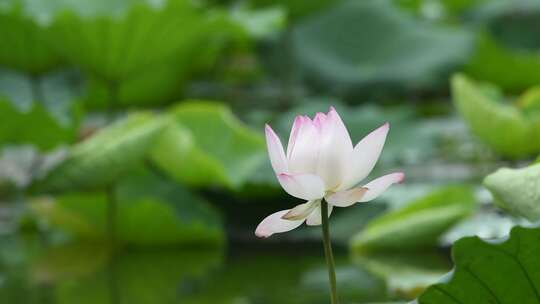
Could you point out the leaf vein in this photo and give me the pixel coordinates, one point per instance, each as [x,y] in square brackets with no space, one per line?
[438,288]
[486,286]
[518,261]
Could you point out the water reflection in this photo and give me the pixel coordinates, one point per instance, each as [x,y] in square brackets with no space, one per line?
[91,273]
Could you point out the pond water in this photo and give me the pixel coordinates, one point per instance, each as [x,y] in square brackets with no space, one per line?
[31,272]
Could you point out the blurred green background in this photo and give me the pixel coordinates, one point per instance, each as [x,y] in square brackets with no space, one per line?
[133,166]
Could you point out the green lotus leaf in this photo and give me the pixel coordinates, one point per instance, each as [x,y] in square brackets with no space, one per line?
[150,211]
[42,112]
[491,272]
[102,159]
[24,44]
[208,145]
[418,224]
[517,132]
[336,51]
[517,190]
[138,51]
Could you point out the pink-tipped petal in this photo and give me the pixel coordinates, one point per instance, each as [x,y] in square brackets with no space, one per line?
[301,211]
[335,149]
[365,156]
[294,134]
[319,120]
[315,218]
[346,198]
[302,151]
[275,224]
[378,186]
[275,151]
[304,186]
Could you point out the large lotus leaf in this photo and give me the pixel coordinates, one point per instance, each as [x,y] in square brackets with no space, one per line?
[208,145]
[508,68]
[507,51]
[162,82]
[23,42]
[509,131]
[361,43]
[517,190]
[419,224]
[101,159]
[114,47]
[41,112]
[513,24]
[503,272]
[150,211]
[157,85]
[142,49]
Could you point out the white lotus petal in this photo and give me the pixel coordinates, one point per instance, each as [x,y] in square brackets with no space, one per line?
[302,151]
[301,211]
[275,224]
[304,186]
[297,124]
[378,186]
[275,151]
[346,198]
[315,218]
[365,156]
[335,149]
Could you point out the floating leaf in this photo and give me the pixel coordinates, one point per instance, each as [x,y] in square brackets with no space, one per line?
[150,211]
[419,224]
[508,130]
[208,145]
[517,190]
[502,272]
[102,159]
[337,51]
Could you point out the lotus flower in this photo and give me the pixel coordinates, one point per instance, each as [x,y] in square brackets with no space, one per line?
[321,163]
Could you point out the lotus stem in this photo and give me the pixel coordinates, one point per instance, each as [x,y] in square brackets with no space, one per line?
[328,253]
